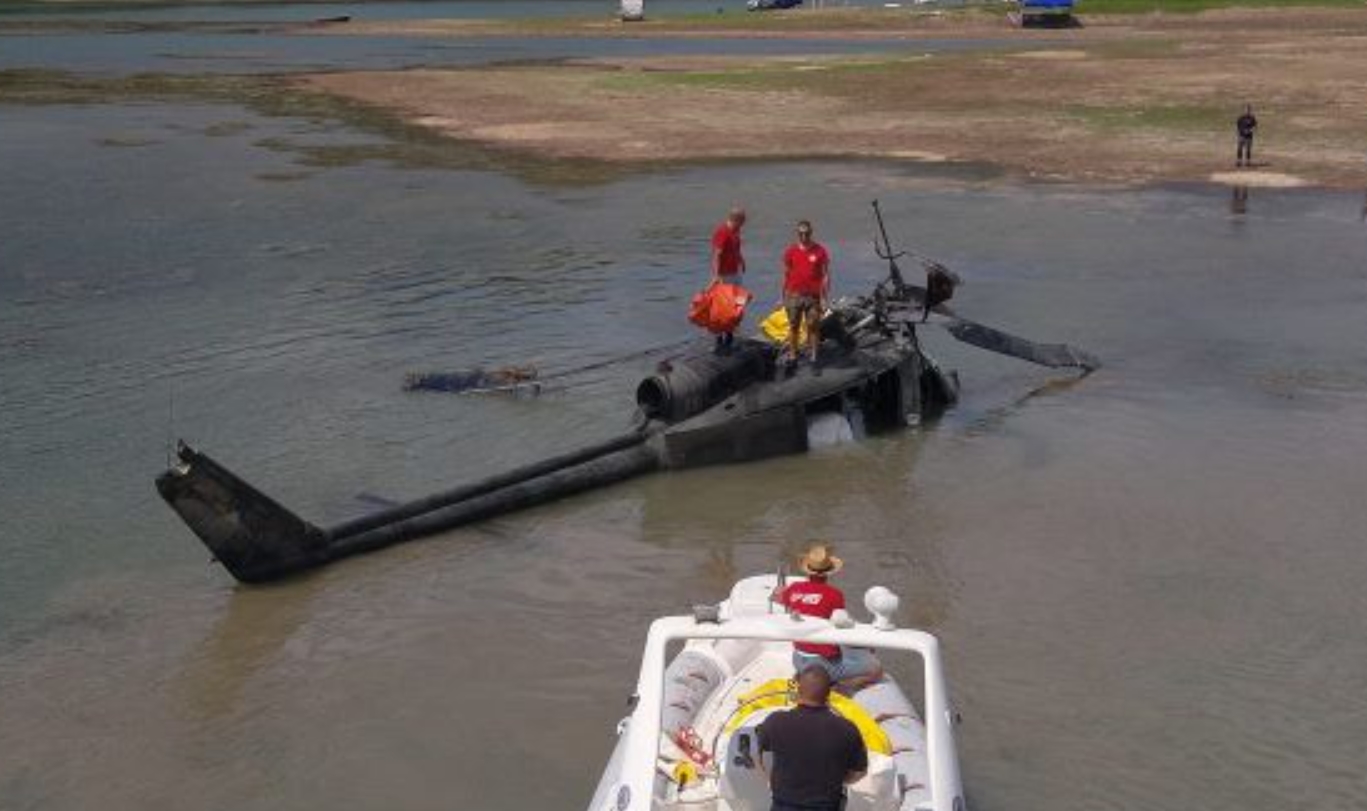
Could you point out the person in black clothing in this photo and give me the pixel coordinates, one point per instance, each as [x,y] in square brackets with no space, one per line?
[816,753]
[1245,125]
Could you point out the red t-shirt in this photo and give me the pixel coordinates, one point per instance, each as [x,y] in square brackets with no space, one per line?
[727,240]
[813,598]
[804,269]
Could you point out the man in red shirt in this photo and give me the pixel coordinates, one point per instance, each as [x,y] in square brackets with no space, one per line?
[728,263]
[852,668]
[806,285]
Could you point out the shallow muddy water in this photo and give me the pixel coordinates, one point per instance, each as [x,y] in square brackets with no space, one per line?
[250,38]
[217,52]
[384,10]
[1148,582]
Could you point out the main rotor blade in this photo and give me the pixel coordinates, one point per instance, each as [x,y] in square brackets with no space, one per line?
[994,340]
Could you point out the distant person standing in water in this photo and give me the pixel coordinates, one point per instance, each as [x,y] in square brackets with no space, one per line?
[1245,125]
[728,263]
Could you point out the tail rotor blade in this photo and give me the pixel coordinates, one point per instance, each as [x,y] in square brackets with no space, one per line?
[994,340]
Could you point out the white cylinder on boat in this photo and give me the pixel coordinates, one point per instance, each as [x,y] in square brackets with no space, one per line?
[886,702]
[877,789]
[689,681]
[735,654]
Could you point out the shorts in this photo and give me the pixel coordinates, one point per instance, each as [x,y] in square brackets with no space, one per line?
[853,663]
[780,805]
[795,304]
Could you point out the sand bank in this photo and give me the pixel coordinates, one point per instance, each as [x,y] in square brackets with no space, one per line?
[1130,99]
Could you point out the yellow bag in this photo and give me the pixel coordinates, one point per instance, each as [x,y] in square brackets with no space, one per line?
[775,328]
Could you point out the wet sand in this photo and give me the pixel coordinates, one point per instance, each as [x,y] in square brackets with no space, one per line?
[1142,98]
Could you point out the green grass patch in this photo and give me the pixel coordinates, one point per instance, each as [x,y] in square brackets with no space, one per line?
[825,20]
[1173,118]
[124,142]
[1193,6]
[398,142]
[27,86]
[806,77]
[283,177]
[227,128]
[737,20]
[59,6]
[649,80]
[1136,49]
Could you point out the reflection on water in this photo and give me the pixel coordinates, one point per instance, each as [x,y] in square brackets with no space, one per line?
[993,420]
[1174,537]
[244,642]
[1238,200]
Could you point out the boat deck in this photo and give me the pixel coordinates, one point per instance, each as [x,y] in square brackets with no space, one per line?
[899,774]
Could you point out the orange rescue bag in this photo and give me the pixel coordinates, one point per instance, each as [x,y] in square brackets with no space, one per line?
[720,307]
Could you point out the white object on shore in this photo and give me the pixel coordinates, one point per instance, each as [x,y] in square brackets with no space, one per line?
[633,10]
[690,743]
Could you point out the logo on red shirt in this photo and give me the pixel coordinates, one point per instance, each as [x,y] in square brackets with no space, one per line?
[814,598]
[805,269]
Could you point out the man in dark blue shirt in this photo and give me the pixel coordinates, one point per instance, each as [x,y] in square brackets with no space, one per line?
[1246,124]
[816,753]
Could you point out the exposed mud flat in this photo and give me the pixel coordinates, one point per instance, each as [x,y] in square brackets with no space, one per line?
[1127,99]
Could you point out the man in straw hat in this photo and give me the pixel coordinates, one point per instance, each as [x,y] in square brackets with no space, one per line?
[851,668]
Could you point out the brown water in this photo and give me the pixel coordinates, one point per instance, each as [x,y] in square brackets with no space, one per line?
[1148,582]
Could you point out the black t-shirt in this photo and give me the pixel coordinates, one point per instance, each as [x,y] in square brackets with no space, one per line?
[813,751]
[1246,124]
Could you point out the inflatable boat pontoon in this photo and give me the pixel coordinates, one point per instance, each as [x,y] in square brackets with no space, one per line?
[690,743]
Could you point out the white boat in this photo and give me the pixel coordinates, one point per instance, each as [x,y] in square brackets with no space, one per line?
[689,742]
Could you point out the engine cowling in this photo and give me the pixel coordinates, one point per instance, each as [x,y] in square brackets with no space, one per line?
[691,385]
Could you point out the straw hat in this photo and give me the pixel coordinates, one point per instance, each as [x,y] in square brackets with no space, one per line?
[820,561]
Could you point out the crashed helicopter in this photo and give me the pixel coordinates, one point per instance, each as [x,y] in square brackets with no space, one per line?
[700,408]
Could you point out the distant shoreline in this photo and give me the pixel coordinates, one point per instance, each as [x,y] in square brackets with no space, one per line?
[115,5]
[1125,99]
[1086,7]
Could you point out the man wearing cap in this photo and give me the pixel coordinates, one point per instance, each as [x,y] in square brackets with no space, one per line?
[853,668]
[816,753]
[728,263]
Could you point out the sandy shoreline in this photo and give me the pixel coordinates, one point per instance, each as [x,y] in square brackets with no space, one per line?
[1126,99]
